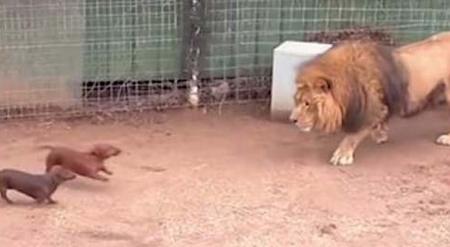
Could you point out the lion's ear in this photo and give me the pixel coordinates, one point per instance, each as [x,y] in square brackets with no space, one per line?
[324,84]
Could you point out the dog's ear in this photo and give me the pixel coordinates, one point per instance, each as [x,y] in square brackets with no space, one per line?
[104,151]
[97,152]
[115,151]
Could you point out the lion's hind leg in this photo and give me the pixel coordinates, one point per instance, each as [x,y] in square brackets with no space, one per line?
[344,154]
[444,139]
[379,133]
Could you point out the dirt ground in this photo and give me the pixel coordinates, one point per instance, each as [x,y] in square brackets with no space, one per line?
[188,178]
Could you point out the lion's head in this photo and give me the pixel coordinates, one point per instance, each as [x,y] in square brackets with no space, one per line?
[315,104]
[344,88]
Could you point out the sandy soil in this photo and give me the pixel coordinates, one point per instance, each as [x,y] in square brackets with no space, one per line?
[193,179]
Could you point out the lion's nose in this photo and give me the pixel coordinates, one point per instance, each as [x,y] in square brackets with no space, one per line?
[294,116]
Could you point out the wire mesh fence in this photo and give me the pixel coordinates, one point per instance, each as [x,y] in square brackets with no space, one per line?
[77,57]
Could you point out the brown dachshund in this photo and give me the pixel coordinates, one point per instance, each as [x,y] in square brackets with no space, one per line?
[40,187]
[87,164]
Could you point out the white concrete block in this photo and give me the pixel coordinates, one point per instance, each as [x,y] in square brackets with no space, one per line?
[287,58]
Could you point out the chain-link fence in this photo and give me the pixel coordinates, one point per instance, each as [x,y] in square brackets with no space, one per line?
[75,57]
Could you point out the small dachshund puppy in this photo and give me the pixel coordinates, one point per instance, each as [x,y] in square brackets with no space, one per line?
[40,187]
[87,164]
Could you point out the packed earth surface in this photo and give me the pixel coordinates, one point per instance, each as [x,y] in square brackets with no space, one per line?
[197,178]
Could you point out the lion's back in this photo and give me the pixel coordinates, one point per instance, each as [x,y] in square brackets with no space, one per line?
[426,64]
[370,66]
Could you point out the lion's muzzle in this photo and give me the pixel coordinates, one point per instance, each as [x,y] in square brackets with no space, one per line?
[295,118]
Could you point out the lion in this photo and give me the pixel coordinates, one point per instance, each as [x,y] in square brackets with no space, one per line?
[356,86]
[353,87]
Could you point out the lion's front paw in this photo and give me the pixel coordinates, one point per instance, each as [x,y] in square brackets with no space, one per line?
[342,157]
[443,140]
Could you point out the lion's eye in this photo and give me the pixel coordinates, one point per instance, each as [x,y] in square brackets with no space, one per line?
[306,103]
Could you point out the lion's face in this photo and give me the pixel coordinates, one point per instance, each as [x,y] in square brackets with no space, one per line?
[315,106]
[303,115]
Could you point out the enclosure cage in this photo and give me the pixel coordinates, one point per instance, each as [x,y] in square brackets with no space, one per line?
[78,57]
